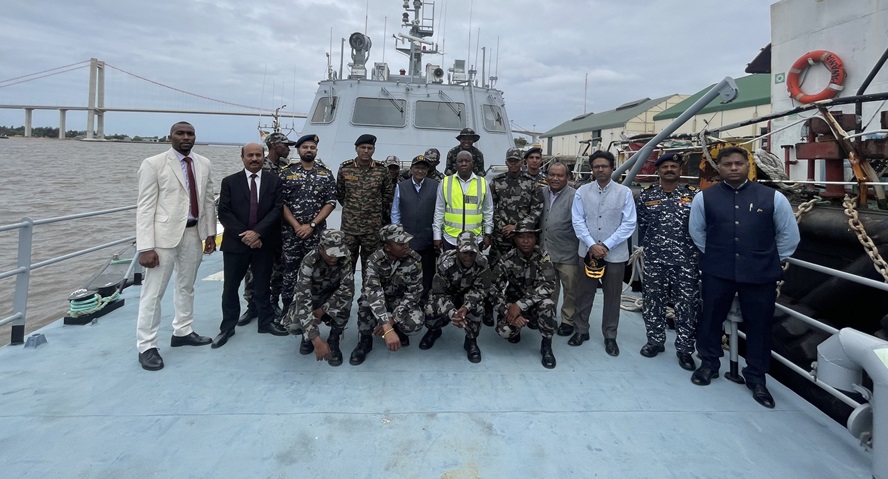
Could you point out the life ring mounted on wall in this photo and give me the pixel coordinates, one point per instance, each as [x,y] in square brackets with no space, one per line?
[836,76]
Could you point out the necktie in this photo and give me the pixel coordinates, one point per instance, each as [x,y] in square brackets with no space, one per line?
[192,186]
[254,202]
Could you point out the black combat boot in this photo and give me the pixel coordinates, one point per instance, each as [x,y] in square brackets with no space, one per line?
[428,340]
[473,353]
[405,340]
[333,342]
[306,346]
[546,352]
[365,345]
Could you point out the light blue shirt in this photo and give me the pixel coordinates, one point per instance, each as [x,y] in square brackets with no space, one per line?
[784,223]
[623,232]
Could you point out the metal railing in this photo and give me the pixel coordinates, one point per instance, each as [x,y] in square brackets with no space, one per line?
[24,265]
[812,375]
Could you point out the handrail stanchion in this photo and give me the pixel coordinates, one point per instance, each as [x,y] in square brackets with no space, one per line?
[22,282]
[734,318]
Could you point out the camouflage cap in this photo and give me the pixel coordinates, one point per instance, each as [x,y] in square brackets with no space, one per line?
[514,154]
[277,137]
[526,226]
[433,155]
[394,233]
[467,242]
[392,161]
[333,242]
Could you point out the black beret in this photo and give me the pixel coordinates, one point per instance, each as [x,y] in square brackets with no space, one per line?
[533,150]
[366,139]
[676,157]
[312,138]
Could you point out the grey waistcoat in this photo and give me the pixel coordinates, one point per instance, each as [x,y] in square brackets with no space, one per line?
[604,213]
[557,235]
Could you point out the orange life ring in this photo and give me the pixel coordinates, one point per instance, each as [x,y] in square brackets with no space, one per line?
[836,76]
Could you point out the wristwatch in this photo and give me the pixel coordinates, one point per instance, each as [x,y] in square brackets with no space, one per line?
[313,225]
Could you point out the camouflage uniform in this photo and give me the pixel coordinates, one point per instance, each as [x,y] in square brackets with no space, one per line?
[514,199]
[391,289]
[539,178]
[670,263]
[305,192]
[434,157]
[477,160]
[529,283]
[320,285]
[455,286]
[366,198]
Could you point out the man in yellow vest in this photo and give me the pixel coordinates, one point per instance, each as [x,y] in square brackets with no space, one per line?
[464,204]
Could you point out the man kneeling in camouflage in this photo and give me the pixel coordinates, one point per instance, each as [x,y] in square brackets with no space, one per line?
[457,295]
[523,284]
[389,306]
[325,288]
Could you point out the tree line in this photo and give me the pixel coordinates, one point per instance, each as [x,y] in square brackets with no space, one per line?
[50,132]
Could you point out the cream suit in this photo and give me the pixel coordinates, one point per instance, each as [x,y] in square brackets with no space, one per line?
[161,217]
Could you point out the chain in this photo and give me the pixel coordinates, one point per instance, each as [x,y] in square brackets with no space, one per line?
[871,250]
[800,211]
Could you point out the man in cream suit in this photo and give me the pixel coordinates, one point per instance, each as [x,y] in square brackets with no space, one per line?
[175,212]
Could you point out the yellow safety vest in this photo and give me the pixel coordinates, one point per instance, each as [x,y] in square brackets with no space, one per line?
[462,212]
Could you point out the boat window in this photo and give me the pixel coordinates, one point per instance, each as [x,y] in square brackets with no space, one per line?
[493,118]
[380,112]
[440,114]
[325,109]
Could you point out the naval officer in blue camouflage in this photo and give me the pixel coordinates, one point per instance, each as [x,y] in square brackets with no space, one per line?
[670,260]
[309,193]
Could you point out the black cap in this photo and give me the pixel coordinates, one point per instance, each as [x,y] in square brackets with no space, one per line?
[366,139]
[676,157]
[417,160]
[312,138]
[533,150]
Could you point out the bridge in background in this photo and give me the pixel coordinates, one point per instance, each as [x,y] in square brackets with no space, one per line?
[96,109]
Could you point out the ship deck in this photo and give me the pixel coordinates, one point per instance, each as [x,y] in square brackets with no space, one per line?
[81,406]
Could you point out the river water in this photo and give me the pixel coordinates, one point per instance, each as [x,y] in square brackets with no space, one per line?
[49,178]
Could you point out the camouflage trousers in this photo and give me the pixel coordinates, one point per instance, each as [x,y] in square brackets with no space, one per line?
[410,323]
[292,319]
[436,316]
[677,285]
[499,246]
[277,275]
[541,316]
[367,244]
[294,250]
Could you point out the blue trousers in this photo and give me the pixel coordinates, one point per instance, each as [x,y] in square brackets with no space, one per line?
[757,309]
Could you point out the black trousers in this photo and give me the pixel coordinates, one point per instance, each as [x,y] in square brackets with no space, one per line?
[235,266]
[757,309]
[428,257]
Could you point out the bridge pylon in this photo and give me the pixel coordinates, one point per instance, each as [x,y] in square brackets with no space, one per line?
[95,115]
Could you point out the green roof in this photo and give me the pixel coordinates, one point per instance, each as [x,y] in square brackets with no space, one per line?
[608,119]
[754,90]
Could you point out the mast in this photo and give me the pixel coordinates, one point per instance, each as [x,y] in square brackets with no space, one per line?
[421,27]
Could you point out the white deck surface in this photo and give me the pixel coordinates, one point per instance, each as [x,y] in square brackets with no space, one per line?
[81,406]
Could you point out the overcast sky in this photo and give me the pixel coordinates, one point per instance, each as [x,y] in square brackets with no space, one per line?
[271,53]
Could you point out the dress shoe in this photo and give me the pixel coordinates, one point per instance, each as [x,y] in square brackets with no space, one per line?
[473,352]
[703,376]
[650,350]
[610,346]
[333,342]
[428,340]
[686,361]
[222,338]
[515,339]
[192,339]
[365,345]
[306,347]
[151,360]
[405,340]
[548,358]
[249,315]
[761,395]
[565,329]
[578,339]
[273,328]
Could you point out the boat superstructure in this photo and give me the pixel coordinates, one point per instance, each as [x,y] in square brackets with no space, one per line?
[424,105]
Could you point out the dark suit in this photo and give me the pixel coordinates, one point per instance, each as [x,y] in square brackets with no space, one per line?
[234,214]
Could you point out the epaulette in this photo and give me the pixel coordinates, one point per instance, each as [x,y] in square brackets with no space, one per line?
[693,188]
[647,187]
[377,163]
[348,163]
